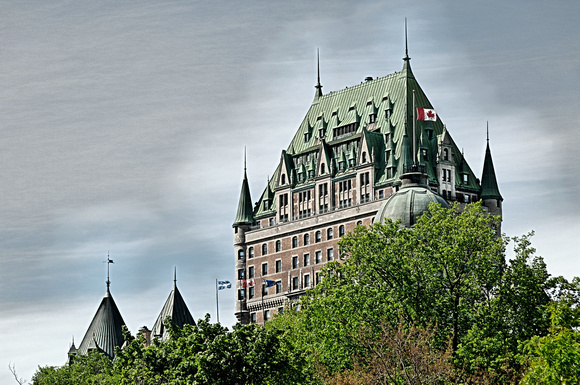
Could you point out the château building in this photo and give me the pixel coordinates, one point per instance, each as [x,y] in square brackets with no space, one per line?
[353,151]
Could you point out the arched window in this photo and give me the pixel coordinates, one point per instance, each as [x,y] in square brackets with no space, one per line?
[359,223]
[364,157]
[294,242]
[318,236]
[306,239]
[278,246]
[322,168]
[264,249]
[251,252]
[329,233]
[283,180]
[341,231]
[445,154]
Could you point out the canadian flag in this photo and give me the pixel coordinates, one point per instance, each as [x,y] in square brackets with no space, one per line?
[247,283]
[426,114]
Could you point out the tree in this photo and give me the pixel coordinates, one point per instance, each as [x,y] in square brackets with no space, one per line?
[447,275]
[555,358]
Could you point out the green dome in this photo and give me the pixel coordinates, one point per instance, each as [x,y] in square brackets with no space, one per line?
[408,204]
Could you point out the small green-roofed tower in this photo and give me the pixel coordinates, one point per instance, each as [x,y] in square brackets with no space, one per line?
[245,214]
[490,194]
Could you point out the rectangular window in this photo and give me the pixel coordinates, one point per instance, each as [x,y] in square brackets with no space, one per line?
[251,292]
[295,283]
[264,290]
[295,262]
[253,318]
[318,256]
[251,272]
[278,287]
[306,281]
[278,266]
[329,254]
[241,294]
[281,310]
[240,273]
[306,259]
[266,315]
[317,277]
[264,268]
[381,194]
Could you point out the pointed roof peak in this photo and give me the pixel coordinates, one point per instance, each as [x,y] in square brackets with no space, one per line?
[318,86]
[489,186]
[174,308]
[407,59]
[245,214]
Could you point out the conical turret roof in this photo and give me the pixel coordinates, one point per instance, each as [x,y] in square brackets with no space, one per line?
[174,308]
[106,329]
[245,213]
[489,187]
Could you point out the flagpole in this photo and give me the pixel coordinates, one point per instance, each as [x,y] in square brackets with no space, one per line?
[217,305]
[414,140]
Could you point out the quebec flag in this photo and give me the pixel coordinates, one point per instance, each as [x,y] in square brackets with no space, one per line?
[224,285]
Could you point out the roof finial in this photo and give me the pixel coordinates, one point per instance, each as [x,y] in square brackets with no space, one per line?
[108,262]
[488,131]
[318,86]
[174,276]
[406,58]
[244,159]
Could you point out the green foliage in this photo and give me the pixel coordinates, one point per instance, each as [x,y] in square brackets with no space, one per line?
[555,358]
[94,368]
[447,275]
[203,354]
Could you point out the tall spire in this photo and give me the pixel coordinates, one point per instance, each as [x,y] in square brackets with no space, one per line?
[489,187]
[245,214]
[407,59]
[318,86]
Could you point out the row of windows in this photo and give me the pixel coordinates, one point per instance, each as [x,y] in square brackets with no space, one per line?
[295,263]
[305,239]
[295,285]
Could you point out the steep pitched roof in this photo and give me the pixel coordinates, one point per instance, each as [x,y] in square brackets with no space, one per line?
[177,310]
[106,329]
[245,213]
[489,187]
[383,106]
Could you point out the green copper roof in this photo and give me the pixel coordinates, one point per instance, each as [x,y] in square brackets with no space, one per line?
[489,188]
[378,111]
[245,213]
[106,329]
[177,310]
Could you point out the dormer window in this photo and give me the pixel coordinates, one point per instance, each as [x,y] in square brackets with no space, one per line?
[266,204]
[387,114]
[311,174]
[283,179]
[321,133]
[306,137]
[364,157]
[465,179]
[372,118]
[445,154]
[424,153]
[341,166]
[351,163]
[322,168]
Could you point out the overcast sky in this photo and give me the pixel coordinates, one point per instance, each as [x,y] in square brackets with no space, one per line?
[123,126]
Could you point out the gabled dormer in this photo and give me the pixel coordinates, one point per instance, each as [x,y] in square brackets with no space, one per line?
[324,167]
[446,166]
[285,170]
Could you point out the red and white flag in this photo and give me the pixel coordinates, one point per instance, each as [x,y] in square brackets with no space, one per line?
[426,114]
[247,283]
